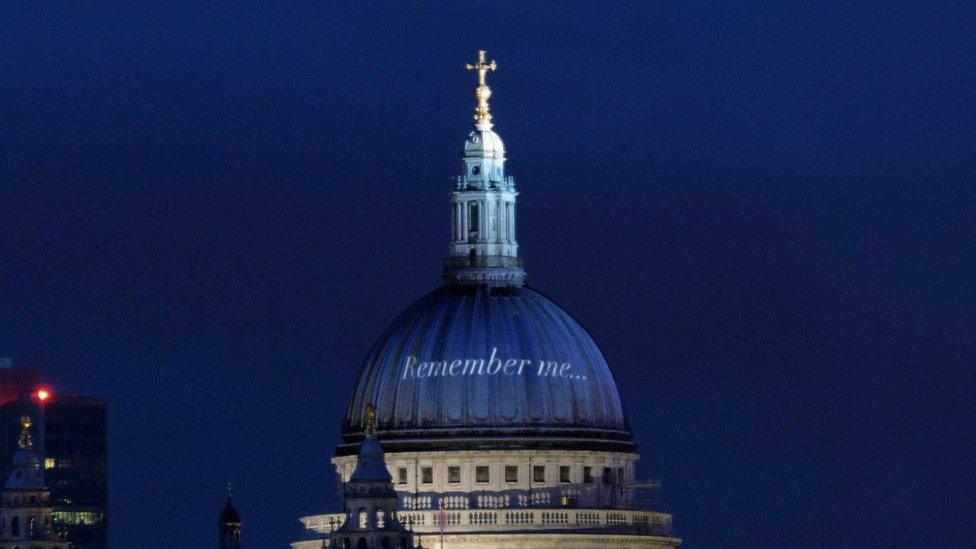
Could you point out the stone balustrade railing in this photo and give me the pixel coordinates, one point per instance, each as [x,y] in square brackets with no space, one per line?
[511,520]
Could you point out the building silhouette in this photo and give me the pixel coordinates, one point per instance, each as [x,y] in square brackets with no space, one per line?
[229,526]
[70,439]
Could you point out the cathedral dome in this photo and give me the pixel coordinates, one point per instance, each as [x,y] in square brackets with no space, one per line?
[482,367]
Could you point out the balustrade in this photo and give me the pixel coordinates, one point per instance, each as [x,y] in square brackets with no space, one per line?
[463,519]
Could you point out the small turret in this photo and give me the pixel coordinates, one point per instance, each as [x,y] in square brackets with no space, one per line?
[25,518]
[370,501]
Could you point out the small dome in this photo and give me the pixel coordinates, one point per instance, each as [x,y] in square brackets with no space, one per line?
[484,143]
[487,367]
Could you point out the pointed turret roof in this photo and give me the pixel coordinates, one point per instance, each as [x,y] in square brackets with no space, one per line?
[371,464]
[26,473]
[229,515]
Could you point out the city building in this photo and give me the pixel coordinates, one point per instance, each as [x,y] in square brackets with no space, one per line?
[25,515]
[71,442]
[499,419]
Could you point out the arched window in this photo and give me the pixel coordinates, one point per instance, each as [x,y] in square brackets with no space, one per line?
[473,217]
[380,518]
[15,527]
[361,544]
[385,543]
[363,518]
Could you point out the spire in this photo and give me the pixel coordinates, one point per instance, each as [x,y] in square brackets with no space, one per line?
[483,245]
[26,500]
[371,463]
[229,515]
[25,441]
[26,472]
[369,499]
[482,115]
[229,524]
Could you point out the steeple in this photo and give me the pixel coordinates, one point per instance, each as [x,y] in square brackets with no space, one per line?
[26,473]
[483,245]
[370,500]
[229,525]
[25,518]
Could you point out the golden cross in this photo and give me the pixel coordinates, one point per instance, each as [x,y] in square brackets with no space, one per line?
[482,67]
[482,92]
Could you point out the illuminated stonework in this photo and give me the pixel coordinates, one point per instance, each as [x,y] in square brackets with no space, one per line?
[498,415]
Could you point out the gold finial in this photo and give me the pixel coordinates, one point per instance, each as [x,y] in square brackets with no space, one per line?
[482,92]
[370,419]
[25,441]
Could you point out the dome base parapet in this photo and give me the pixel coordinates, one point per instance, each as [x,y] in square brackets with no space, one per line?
[490,270]
[482,443]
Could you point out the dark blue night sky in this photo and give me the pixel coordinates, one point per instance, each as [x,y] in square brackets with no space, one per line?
[762,212]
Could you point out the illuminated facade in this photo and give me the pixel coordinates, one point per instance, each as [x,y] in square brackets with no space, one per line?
[70,439]
[499,417]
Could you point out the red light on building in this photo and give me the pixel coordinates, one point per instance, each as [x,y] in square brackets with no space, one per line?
[43,394]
